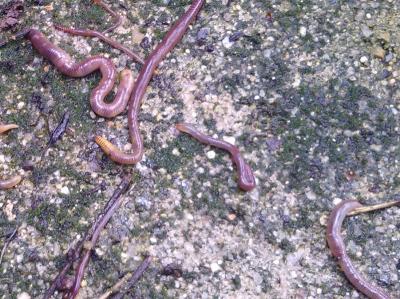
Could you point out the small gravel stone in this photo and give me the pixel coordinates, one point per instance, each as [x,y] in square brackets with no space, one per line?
[303,31]
[211,155]
[235,36]
[364,59]
[202,35]
[385,74]
[229,139]
[215,267]
[384,36]
[389,57]
[64,190]
[20,105]
[227,43]
[23,295]
[366,32]
[378,52]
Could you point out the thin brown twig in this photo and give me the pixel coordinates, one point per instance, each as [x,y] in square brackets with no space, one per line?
[73,254]
[116,16]
[114,203]
[6,243]
[135,276]
[365,209]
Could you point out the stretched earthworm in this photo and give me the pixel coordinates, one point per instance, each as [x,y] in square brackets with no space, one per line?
[66,65]
[101,36]
[15,180]
[173,36]
[117,17]
[246,179]
[338,249]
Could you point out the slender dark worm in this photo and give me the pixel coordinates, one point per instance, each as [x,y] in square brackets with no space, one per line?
[338,249]
[101,36]
[14,180]
[246,179]
[66,65]
[173,36]
[117,17]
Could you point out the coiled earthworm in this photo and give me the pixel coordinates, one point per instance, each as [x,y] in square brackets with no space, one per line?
[101,36]
[173,36]
[15,180]
[338,249]
[66,65]
[246,179]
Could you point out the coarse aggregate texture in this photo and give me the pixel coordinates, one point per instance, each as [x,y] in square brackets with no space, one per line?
[308,90]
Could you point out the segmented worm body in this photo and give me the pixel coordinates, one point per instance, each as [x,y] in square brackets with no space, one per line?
[66,65]
[173,36]
[15,180]
[246,179]
[104,38]
[338,249]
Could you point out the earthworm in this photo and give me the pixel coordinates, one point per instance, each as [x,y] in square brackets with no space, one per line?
[5,128]
[246,179]
[101,36]
[14,180]
[338,249]
[66,65]
[10,182]
[173,36]
[117,17]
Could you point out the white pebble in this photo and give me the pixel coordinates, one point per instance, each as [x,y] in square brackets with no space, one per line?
[23,295]
[303,31]
[175,152]
[337,201]
[64,190]
[364,59]
[229,139]
[20,105]
[227,43]
[211,155]
[215,267]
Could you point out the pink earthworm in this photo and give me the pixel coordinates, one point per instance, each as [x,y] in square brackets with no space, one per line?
[338,248]
[10,182]
[246,179]
[173,36]
[101,36]
[14,180]
[66,65]
[6,128]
